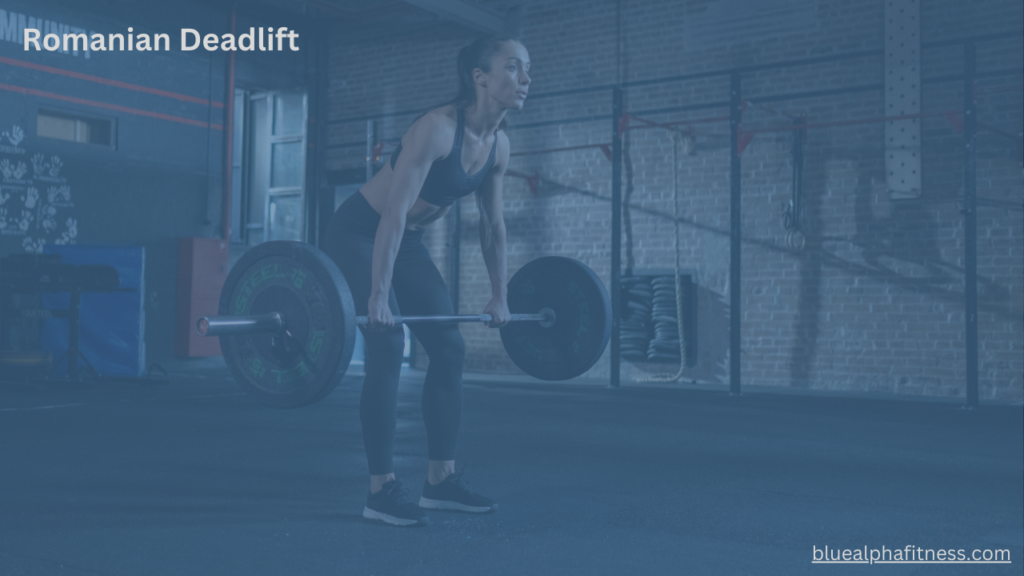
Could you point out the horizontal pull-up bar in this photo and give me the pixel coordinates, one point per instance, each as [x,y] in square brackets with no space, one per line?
[854,122]
[606,148]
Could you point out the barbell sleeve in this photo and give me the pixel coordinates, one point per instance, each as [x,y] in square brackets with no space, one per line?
[217,325]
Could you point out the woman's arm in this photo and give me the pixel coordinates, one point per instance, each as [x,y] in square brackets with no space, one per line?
[421,146]
[492,233]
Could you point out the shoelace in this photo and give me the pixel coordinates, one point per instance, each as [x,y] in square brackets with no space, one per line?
[399,494]
[460,482]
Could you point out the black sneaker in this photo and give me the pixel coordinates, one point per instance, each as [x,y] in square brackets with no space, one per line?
[393,505]
[454,494]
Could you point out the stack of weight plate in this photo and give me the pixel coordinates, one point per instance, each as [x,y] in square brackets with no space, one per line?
[636,328]
[665,345]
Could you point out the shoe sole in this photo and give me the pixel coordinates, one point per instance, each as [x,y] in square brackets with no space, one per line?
[394,520]
[449,505]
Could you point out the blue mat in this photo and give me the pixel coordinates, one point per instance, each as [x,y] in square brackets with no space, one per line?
[111,325]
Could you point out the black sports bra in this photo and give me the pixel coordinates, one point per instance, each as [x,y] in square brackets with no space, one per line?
[447,181]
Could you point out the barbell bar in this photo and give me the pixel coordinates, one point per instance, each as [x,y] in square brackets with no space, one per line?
[273,323]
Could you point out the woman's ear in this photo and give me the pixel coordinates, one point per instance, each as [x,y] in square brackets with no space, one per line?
[480,77]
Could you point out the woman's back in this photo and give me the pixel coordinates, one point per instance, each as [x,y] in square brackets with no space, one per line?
[476,155]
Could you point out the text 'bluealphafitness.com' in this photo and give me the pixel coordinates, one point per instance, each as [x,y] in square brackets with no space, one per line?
[908,555]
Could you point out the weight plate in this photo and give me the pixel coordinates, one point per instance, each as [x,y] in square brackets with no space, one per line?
[638,306]
[583,318]
[307,289]
[666,345]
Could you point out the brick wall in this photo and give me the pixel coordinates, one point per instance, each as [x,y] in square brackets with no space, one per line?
[872,302]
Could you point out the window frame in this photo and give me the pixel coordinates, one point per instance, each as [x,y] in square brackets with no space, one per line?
[252,148]
[71,114]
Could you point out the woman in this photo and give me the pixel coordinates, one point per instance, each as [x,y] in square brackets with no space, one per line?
[375,238]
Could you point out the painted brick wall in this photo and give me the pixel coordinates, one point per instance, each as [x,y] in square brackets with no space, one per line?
[872,302]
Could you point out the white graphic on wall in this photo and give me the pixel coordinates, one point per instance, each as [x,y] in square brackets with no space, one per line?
[39,165]
[33,246]
[13,171]
[13,221]
[15,135]
[68,237]
[59,195]
[30,198]
[45,170]
[47,215]
[9,139]
[35,195]
[24,220]
[55,166]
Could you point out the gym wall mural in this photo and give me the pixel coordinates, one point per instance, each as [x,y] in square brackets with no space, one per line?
[35,196]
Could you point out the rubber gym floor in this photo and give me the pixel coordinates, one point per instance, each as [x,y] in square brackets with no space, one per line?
[194,477]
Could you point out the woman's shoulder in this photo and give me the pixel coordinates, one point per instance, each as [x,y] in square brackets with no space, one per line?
[442,117]
[433,133]
[501,144]
[502,139]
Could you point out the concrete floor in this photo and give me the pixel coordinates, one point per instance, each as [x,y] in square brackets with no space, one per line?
[193,477]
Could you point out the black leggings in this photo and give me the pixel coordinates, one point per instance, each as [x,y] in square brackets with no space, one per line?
[416,289]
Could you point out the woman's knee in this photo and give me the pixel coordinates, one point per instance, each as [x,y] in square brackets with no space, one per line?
[447,346]
[388,344]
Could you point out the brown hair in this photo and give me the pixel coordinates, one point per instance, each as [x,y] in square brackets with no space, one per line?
[476,55]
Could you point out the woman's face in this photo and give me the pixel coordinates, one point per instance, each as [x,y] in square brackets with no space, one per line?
[508,81]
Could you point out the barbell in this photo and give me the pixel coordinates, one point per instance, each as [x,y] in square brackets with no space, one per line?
[286,322]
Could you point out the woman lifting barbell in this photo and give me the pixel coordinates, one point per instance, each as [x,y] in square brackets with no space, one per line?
[375,237]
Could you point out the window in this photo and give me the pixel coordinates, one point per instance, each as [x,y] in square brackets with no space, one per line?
[269,166]
[74,128]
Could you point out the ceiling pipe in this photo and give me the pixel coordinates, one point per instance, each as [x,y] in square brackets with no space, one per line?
[463,13]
